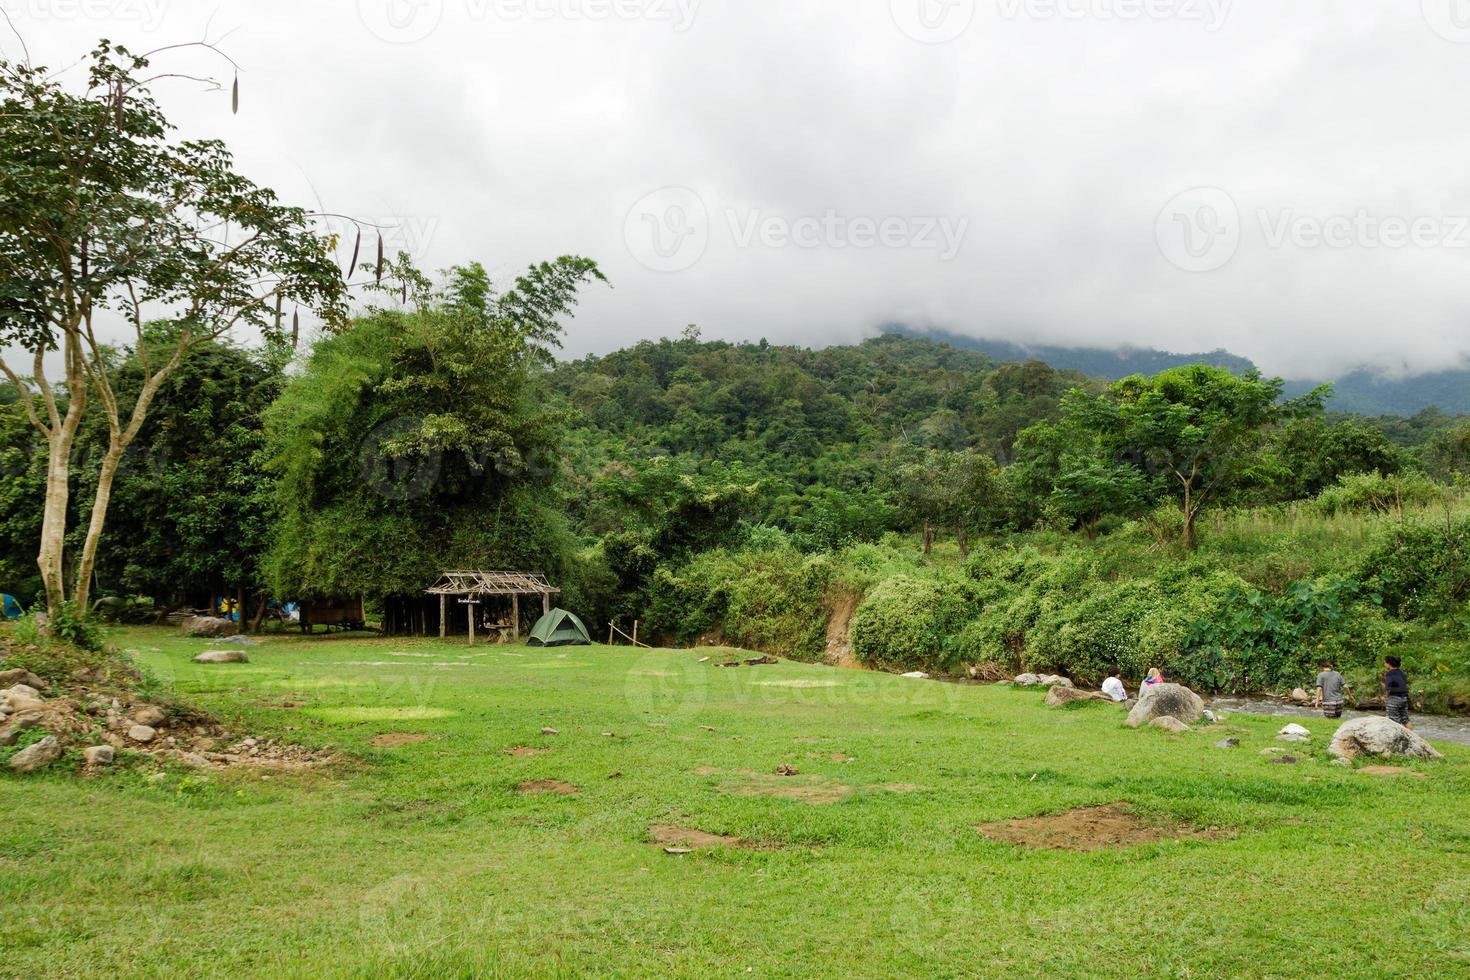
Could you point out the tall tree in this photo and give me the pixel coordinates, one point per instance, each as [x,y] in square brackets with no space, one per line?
[1200,428]
[106,220]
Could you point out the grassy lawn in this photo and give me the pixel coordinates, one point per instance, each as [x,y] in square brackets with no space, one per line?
[425,860]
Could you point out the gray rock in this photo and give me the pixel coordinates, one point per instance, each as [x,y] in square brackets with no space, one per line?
[1169,724]
[1379,737]
[1054,680]
[148,715]
[1293,738]
[99,755]
[142,733]
[22,691]
[1300,696]
[17,723]
[1064,694]
[19,675]
[1294,730]
[1228,743]
[207,626]
[1286,760]
[1166,701]
[222,657]
[1027,680]
[240,639]
[38,756]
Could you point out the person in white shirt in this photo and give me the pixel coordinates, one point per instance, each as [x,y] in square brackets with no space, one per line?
[1113,686]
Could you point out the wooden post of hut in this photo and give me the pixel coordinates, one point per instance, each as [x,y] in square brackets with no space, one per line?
[515,617]
[443,625]
[545,603]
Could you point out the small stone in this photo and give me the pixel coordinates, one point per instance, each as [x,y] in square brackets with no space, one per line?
[1286,760]
[38,756]
[1228,743]
[1169,724]
[19,703]
[1296,730]
[222,657]
[99,755]
[149,716]
[550,731]
[142,733]
[22,690]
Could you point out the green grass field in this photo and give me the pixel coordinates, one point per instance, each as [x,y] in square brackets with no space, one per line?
[424,859]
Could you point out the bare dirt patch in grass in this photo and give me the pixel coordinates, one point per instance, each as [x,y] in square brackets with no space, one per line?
[669,835]
[554,787]
[803,789]
[524,750]
[392,740]
[1090,828]
[1391,771]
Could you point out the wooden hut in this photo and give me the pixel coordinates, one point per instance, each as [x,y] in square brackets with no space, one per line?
[472,589]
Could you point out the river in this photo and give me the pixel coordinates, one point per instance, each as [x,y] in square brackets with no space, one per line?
[1444,728]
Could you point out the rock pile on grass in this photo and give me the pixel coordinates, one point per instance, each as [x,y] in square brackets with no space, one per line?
[99,706]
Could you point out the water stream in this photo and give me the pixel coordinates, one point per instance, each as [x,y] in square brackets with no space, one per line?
[1444,728]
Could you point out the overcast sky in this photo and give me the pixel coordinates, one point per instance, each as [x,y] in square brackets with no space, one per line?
[1290,180]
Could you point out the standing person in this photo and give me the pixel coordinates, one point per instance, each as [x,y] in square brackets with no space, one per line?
[1396,691]
[1113,686]
[1330,687]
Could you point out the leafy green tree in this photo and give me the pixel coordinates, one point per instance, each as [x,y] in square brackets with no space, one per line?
[1200,428]
[422,440]
[103,216]
[1311,454]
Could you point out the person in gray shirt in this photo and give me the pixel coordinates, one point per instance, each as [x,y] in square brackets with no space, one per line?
[1330,688]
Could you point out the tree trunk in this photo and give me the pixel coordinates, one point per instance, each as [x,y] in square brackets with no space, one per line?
[928,537]
[53,523]
[1190,512]
[94,528]
[260,613]
[964,536]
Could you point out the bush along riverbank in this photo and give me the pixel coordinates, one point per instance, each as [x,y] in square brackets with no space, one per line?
[1268,594]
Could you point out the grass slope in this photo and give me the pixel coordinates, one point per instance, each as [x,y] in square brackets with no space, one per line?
[423,860]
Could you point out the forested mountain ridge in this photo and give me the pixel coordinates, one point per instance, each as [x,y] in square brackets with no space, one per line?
[1360,392]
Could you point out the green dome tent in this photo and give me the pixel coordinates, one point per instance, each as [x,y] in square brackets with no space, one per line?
[559,628]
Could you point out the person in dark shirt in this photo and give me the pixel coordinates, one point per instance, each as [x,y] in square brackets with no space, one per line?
[1396,691]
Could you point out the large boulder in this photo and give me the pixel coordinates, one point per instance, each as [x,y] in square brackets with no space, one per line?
[37,756]
[20,675]
[1166,701]
[207,626]
[1064,694]
[1027,680]
[238,657]
[1379,737]
[1054,680]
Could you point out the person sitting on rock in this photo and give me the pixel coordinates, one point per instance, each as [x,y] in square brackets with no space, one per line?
[1153,678]
[1330,686]
[1396,692]
[1113,686]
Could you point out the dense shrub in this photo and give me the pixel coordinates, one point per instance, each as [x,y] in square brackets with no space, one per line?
[1422,569]
[1374,492]
[910,623]
[770,599]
